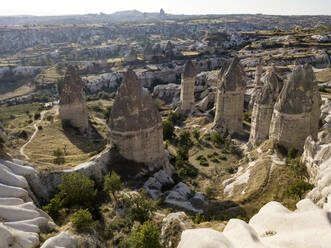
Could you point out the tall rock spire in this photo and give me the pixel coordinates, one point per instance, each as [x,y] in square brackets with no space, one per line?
[263,108]
[297,111]
[135,124]
[187,87]
[73,106]
[230,97]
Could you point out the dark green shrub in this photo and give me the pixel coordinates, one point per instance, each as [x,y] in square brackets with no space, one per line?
[185,138]
[168,130]
[112,184]
[182,153]
[175,118]
[78,189]
[299,188]
[217,138]
[54,206]
[59,156]
[81,219]
[37,116]
[292,153]
[142,207]
[145,236]
[196,134]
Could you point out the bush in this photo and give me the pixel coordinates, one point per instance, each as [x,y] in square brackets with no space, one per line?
[59,156]
[299,188]
[158,102]
[247,116]
[182,153]
[78,189]
[168,130]
[175,118]
[81,219]
[217,138]
[142,207]
[196,134]
[210,192]
[292,153]
[50,118]
[40,128]
[298,167]
[37,116]
[145,236]
[185,138]
[112,183]
[54,206]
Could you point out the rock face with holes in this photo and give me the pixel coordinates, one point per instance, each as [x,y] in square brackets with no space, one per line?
[297,111]
[136,125]
[73,108]
[230,98]
[21,220]
[263,108]
[187,87]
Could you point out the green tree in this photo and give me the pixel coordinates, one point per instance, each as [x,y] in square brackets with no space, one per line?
[299,188]
[81,219]
[217,138]
[54,207]
[182,153]
[168,130]
[185,138]
[77,189]
[292,153]
[145,236]
[142,207]
[112,184]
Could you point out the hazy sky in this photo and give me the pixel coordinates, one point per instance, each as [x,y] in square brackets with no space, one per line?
[60,7]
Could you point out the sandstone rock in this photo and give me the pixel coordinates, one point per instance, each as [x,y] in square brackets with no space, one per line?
[273,226]
[230,98]
[323,59]
[155,184]
[187,87]
[263,108]
[208,102]
[169,50]
[182,197]
[169,93]
[73,106]
[136,126]
[298,108]
[172,227]
[64,239]
[21,220]
[258,72]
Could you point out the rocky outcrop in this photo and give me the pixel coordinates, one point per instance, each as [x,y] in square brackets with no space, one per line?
[169,50]
[148,51]
[136,125]
[263,108]
[230,98]
[172,227]
[187,87]
[62,240]
[274,226]
[73,106]
[258,72]
[323,59]
[131,56]
[169,93]
[21,220]
[296,113]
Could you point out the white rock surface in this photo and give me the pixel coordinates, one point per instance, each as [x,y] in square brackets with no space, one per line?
[62,240]
[21,219]
[273,227]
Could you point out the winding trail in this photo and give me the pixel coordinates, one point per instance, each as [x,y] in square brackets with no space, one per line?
[35,125]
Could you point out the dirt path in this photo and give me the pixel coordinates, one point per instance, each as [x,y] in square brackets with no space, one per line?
[35,125]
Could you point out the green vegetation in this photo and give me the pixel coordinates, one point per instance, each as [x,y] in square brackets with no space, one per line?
[145,236]
[81,219]
[168,130]
[299,188]
[112,184]
[142,207]
[196,134]
[59,156]
[184,138]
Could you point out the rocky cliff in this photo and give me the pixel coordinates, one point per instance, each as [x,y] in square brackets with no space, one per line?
[187,87]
